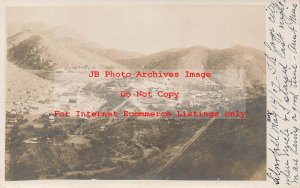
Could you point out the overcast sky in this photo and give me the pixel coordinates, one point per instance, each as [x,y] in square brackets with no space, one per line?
[149,29]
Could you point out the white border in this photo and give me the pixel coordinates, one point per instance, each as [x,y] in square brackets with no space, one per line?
[105,183]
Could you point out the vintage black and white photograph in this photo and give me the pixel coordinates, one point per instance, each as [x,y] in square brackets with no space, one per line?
[135,92]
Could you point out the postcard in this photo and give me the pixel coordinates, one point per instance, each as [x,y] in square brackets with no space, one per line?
[150,93]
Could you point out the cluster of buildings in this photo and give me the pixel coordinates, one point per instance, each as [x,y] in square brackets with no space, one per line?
[23,107]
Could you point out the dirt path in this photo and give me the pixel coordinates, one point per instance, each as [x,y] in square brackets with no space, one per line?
[115,109]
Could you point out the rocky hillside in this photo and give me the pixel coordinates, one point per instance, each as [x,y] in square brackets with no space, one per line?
[40,46]
[228,150]
[23,85]
[250,60]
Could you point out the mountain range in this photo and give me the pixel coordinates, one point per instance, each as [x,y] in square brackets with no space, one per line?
[41,46]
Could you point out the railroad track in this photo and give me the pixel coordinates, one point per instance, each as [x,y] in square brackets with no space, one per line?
[185,147]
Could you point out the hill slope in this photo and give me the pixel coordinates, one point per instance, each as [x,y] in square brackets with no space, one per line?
[41,46]
[250,60]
